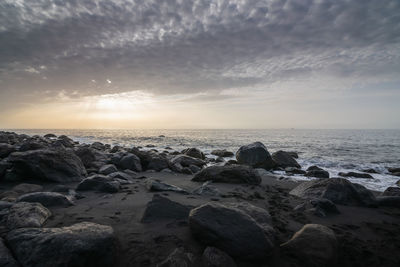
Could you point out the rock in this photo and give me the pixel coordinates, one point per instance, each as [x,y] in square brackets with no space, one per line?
[213,257]
[317,172]
[369,170]
[5,205]
[121,175]
[47,199]
[228,174]
[284,159]
[98,146]
[156,186]
[23,214]
[6,257]
[99,183]
[222,153]
[130,162]
[388,201]
[178,258]
[394,170]
[294,170]
[108,169]
[162,208]
[194,168]
[50,136]
[66,141]
[314,245]
[82,244]
[219,160]
[186,161]
[240,229]
[391,191]
[231,162]
[337,190]
[60,188]
[91,158]
[325,206]
[207,190]
[314,168]
[395,173]
[255,155]
[6,149]
[356,175]
[158,163]
[48,164]
[293,154]
[31,145]
[194,153]
[27,188]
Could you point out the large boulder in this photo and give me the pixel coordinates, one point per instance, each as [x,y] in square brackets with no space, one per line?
[213,257]
[186,161]
[24,214]
[56,165]
[99,183]
[313,245]
[255,155]
[130,162]
[6,257]
[47,199]
[317,172]
[80,245]
[222,153]
[240,229]
[162,208]
[228,174]
[337,190]
[158,163]
[90,157]
[194,153]
[284,159]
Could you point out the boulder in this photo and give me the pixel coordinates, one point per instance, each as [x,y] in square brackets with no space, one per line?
[394,170]
[47,199]
[31,145]
[91,158]
[186,161]
[370,170]
[228,174]
[130,162]
[313,245]
[6,149]
[121,175]
[82,244]
[388,201]
[162,208]
[294,170]
[108,169]
[56,165]
[194,153]
[391,191]
[6,257]
[323,207]
[337,190]
[293,154]
[213,257]
[158,163]
[99,183]
[98,146]
[356,175]
[317,172]
[66,141]
[255,155]
[222,153]
[23,214]
[157,186]
[178,258]
[284,159]
[240,229]
[27,188]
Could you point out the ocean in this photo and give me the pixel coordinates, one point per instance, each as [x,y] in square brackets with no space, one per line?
[333,150]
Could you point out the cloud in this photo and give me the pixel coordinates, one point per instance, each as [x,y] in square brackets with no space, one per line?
[95,47]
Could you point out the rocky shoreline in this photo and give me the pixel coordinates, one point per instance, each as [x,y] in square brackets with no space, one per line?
[68,204]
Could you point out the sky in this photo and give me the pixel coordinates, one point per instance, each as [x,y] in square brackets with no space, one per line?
[133,64]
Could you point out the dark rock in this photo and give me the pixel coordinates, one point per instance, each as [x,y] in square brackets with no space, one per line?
[391,191]
[293,154]
[394,170]
[317,172]
[158,163]
[207,190]
[53,165]
[178,258]
[356,175]
[90,157]
[156,186]
[50,136]
[325,205]
[294,170]
[388,201]
[61,189]
[231,162]
[6,257]
[194,168]
[219,160]
[162,208]
[47,199]
[66,141]
[213,257]
[108,169]
[99,183]
[27,188]
[255,155]
[228,174]
[194,153]
[31,145]
[130,162]
[222,153]
[98,146]
[314,168]
[395,173]
[186,161]
[314,245]
[186,170]
[23,214]
[369,170]
[240,229]
[337,190]
[82,244]
[6,149]
[284,159]
[121,175]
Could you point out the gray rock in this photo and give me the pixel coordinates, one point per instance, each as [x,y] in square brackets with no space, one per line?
[178,258]
[130,162]
[314,245]
[337,190]
[108,169]
[186,161]
[5,204]
[194,168]
[80,245]
[25,214]
[6,258]
[242,230]
[50,135]
[222,153]
[162,208]
[255,155]
[294,170]
[156,186]
[57,165]
[228,174]
[91,158]
[356,175]
[391,191]
[213,257]
[121,175]
[284,159]
[194,153]
[158,163]
[66,141]
[27,188]
[324,206]
[47,199]
[388,201]
[318,173]
[31,145]
[6,149]
[207,190]
[394,170]
[99,183]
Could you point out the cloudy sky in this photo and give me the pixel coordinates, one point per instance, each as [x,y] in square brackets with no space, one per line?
[200,64]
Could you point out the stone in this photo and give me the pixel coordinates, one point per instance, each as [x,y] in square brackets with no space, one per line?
[194,153]
[50,135]
[158,163]
[60,188]
[388,201]
[207,190]
[156,186]
[66,141]
[240,229]
[356,175]
[284,159]
[162,208]
[369,170]
[228,174]
[99,183]
[318,173]
[56,165]
[391,191]
[98,146]
[337,190]
[294,170]
[394,170]
[222,153]
[213,257]
[186,161]
[108,169]
[219,160]
[324,205]
[82,244]
[121,175]
[293,154]
[178,258]
[194,168]
[91,158]
[130,162]
[23,214]
[255,155]
[27,188]
[47,199]
[313,245]
[31,145]
[6,149]
[6,257]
